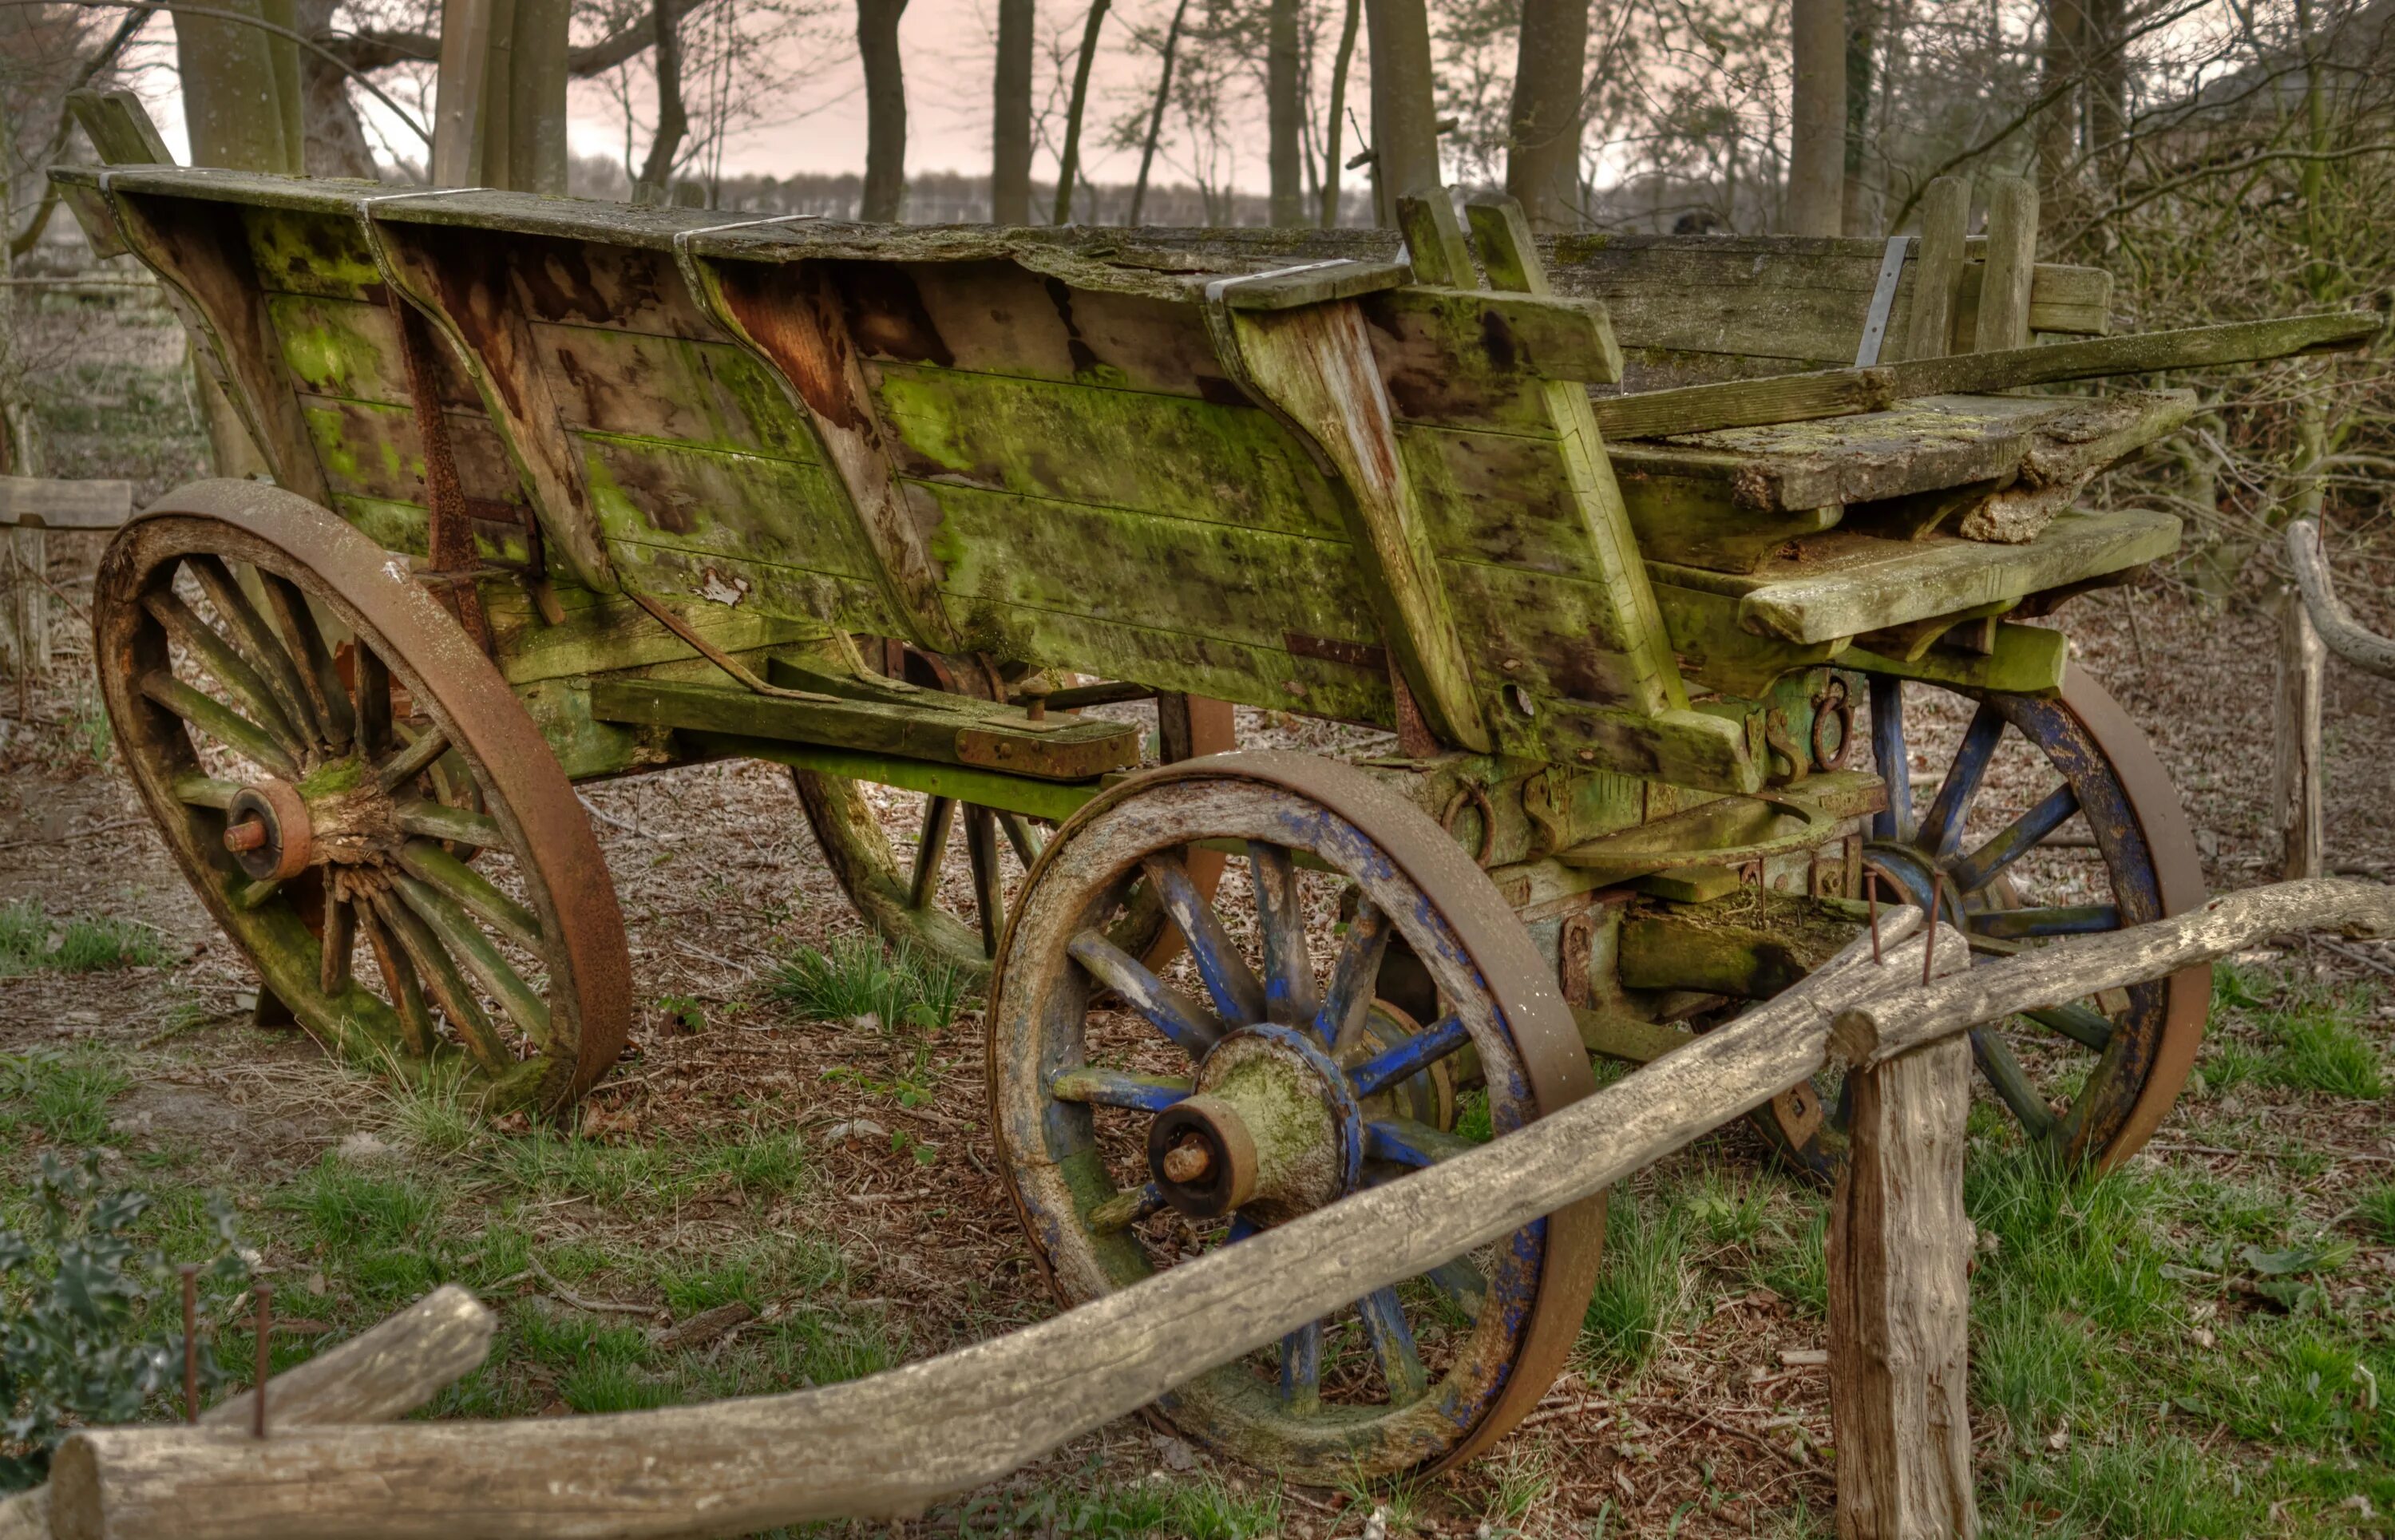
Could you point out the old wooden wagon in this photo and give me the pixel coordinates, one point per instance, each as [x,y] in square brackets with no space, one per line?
[565,491]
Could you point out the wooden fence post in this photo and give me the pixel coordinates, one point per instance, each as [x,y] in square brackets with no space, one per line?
[2296,736]
[1899,1251]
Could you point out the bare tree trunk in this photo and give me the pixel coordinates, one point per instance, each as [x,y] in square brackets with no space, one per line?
[1404,112]
[655,184]
[234,90]
[2058,128]
[1860,200]
[2108,93]
[536,90]
[1542,131]
[1286,114]
[1817,129]
[1155,114]
[885,109]
[1010,129]
[1332,170]
[335,136]
[1068,161]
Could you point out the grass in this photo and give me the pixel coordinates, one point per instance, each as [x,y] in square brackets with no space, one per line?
[856,976]
[1643,1293]
[1159,1508]
[31,941]
[2297,1036]
[60,1093]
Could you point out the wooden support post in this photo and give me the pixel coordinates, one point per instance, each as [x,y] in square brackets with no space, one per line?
[2296,734]
[2012,265]
[27,639]
[1938,271]
[1899,1254]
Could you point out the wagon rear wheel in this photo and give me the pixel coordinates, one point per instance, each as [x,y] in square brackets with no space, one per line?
[932,897]
[2090,838]
[1146,1117]
[357,796]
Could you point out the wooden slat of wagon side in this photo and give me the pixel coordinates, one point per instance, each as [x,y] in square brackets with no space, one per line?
[1844,584]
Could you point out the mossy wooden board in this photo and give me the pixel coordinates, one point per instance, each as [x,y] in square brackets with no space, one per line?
[350,348]
[403,527]
[374,451]
[763,588]
[1133,449]
[594,283]
[1267,678]
[1843,583]
[1117,566]
[301,251]
[708,394]
[1549,629]
[746,507]
[1439,365]
[600,633]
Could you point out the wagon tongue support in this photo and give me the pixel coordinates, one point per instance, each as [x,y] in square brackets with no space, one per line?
[1271,1130]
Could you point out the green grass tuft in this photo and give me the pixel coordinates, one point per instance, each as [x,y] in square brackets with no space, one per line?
[903,989]
[1644,1289]
[64,1093]
[31,941]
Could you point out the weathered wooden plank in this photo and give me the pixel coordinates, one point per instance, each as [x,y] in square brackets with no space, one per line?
[1316,367]
[1843,583]
[405,526]
[2296,761]
[600,633]
[1717,653]
[2003,323]
[748,507]
[371,450]
[766,588]
[712,395]
[319,252]
[42,502]
[2022,660]
[1114,566]
[1084,443]
[1938,269]
[1834,392]
[796,320]
[1542,632]
[350,347]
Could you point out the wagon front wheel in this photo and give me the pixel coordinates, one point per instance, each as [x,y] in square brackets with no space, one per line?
[357,796]
[1146,1117]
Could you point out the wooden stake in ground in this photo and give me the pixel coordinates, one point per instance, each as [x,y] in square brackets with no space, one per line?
[1900,1257]
[2296,739]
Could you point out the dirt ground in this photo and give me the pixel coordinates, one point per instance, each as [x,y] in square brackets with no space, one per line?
[1696,1405]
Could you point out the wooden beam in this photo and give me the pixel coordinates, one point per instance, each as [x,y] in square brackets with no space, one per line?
[1938,269]
[1843,392]
[2012,264]
[119,129]
[1899,1307]
[2296,763]
[46,503]
[380,1376]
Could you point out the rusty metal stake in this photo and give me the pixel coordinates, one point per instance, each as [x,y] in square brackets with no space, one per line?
[264,1294]
[1929,942]
[190,1272]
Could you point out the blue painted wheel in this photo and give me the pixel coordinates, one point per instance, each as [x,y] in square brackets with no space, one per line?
[2091,839]
[1148,1117]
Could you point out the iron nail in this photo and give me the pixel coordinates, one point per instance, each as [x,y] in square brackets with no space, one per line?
[190,1272]
[264,1294]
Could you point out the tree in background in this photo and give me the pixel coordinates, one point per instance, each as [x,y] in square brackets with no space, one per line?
[1544,119]
[1816,129]
[1010,136]
[886,108]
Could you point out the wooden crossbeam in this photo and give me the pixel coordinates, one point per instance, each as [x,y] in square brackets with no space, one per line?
[1845,393]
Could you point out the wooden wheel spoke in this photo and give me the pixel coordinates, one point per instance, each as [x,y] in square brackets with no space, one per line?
[930,852]
[2081,1024]
[444,983]
[464,941]
[1280,918]
[1301,1370]
[1894,760]
[430,863]
[251,633]
[1402,1141]
[399,978]
[313,660]
[1463,1284]
[2022,924]
[1941,828]
[234,673]
[981,852]
[340,940]
[370,701]
[1392,1345]
[2011,1084]
[1166,1008]
[1125,1209]
[1022,836]
[1410,1057]
[201,791]
[440,821]
[1118,1088]
[2017,839]
[220,722]
[1238,998]
[412,759]
[1355,973]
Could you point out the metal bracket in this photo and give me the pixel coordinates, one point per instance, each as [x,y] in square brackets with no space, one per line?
[1883,300]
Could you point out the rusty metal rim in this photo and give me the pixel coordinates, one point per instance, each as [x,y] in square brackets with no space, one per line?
[2178,877]
[1527,997]
[535,805]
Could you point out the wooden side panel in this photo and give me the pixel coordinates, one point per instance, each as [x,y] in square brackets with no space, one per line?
[708,394]
[369,449]
[744,507]
[298,251]
[698,581]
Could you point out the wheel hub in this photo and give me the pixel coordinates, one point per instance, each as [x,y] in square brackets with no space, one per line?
[339,816]
[268,830]
[1270,1129]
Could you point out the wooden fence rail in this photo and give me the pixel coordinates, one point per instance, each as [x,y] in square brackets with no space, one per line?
[889,1444]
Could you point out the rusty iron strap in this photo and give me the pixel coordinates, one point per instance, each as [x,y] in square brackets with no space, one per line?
[740,672]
